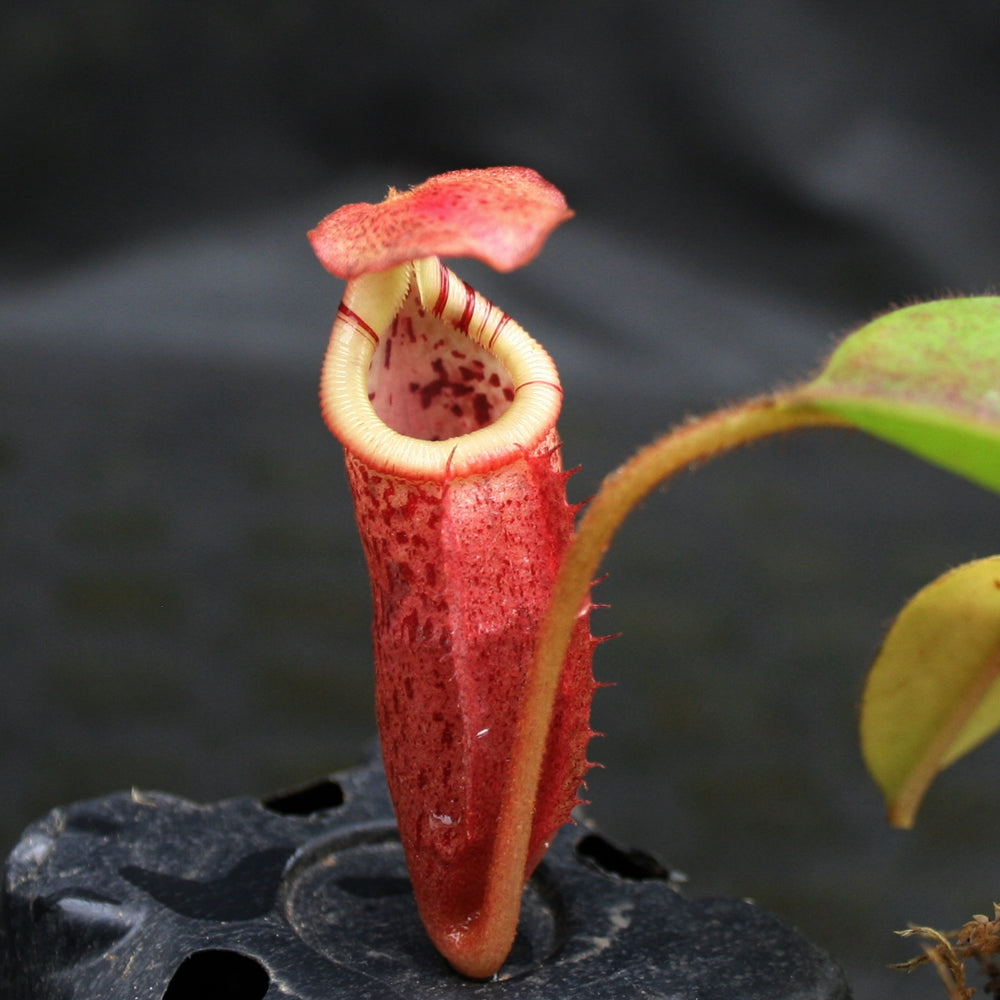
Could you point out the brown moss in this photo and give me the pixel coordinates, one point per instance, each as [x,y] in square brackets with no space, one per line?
[977,939]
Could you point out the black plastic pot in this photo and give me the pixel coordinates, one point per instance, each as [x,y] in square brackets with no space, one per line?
[305,896]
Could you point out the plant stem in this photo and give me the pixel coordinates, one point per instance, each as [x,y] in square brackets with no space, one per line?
[693,442]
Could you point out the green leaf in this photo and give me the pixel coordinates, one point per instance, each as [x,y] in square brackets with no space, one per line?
[934,691]
[926,378]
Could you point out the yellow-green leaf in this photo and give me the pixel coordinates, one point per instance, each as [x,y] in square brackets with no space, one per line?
[934,691]
[926,378]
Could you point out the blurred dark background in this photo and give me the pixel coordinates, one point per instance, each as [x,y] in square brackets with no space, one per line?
[184,604]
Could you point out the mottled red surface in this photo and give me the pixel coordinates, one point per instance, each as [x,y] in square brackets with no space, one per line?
[462,570]
[500,215]
[428,381]
[461,574]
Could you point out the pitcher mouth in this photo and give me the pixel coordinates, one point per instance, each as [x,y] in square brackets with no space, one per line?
[426,379]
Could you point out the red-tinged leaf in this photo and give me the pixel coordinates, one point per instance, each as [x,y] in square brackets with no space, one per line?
[934,691]
[926,378]
[500,215]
